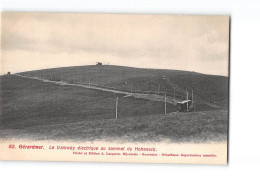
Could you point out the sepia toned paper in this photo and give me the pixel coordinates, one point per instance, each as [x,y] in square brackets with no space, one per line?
[114,87]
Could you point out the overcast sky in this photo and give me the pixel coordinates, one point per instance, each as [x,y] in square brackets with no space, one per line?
[32,41]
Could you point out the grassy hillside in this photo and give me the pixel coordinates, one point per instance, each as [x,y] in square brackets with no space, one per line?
[211,88]
[174,127]
[27,102]
[42,110]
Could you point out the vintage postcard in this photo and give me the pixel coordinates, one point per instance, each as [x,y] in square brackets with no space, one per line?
[114,87]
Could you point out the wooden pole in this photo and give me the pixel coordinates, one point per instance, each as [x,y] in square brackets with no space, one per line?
[191,96]
[159,89]
[165,103]
[131,87]
[187,100]
[116,106]
[192,100]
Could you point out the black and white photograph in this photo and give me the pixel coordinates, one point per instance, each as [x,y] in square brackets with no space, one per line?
[78,77]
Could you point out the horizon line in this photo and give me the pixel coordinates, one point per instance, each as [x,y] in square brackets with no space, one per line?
[115,66]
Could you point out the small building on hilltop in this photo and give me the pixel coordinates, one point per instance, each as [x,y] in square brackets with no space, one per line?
[98,63]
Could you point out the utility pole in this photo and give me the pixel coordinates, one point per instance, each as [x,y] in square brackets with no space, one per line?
[192,100]
[116,105]
[165,103]
[187,100]
[159,89]
[131,87]
[25,88]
